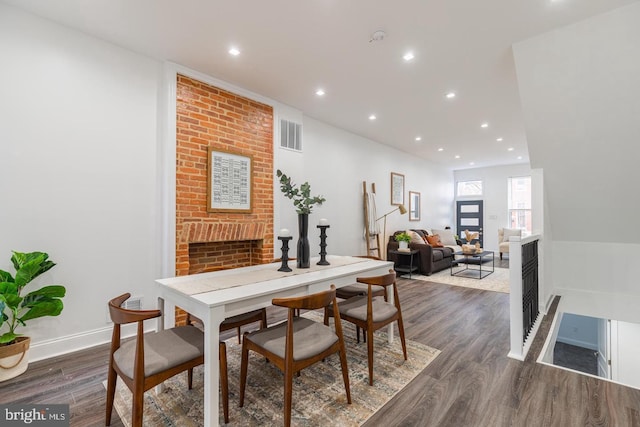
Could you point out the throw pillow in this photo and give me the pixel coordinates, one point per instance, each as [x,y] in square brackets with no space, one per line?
[446,237]
[415,237]
[434,240]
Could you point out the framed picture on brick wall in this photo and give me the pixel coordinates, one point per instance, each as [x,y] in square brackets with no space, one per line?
[229,187]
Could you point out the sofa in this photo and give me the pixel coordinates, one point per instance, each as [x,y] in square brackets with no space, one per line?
[431,259]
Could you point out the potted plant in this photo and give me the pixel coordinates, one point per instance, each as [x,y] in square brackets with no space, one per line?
[303,202]
[403,240]
[17,307]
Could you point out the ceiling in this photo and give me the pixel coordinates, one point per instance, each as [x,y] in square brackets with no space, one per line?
[289,49]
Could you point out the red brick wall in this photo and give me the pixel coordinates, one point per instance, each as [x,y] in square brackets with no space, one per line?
[211,117]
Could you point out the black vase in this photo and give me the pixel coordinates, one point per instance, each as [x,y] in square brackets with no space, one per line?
[303,241]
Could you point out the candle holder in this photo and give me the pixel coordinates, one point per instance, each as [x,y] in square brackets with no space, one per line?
[285,253]
[323,245]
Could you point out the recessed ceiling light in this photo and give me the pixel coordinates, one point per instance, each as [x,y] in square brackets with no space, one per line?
[408,56]
[440,149]
[320,92]
[450,95]
[519,157]
[510,149]
[418,138]
[499,139]
[457,156]
[234,51]
[471,163]
[484,125]
[372,117]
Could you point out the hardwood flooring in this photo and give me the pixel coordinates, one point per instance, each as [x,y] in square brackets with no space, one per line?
[471,383]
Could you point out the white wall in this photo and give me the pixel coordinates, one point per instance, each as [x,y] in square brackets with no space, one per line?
[77,143]
[336,162]
[495,193]
[82,174]
[581,331]
[580,93]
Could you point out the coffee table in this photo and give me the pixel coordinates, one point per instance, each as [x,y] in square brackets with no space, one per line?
[473,273]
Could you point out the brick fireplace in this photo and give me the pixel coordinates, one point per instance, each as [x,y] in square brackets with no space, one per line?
[211,117]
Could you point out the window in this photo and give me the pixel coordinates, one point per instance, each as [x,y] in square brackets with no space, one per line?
[469,188]
[519,202]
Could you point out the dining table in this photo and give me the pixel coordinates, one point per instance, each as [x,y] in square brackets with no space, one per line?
[214,296]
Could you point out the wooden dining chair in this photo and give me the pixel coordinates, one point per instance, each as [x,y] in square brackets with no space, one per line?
[372,313]
[234,322]
[357,289]
[151,358]
[297,343]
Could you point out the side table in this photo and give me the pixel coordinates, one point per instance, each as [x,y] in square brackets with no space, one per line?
[401,266]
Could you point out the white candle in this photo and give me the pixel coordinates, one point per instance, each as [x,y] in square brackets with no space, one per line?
[284,232]
[323,221]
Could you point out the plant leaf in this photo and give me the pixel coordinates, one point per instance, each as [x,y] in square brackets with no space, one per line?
[7,338]
[51,291]
[6,276]
[43,308]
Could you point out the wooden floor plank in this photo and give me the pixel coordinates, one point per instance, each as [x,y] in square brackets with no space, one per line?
[471,383]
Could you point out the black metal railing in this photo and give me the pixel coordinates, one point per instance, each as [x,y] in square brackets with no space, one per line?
[529,287]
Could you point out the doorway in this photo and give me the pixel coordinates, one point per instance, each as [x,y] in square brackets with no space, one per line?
[469,217]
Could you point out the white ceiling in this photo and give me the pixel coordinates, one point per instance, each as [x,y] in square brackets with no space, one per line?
[291,48]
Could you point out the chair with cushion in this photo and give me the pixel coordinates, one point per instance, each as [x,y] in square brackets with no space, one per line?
[150,358]
[372,313]
[503,238]
[357,289]
[297,343]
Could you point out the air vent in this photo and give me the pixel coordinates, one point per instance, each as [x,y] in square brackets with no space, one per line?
[133,303]
[290,135]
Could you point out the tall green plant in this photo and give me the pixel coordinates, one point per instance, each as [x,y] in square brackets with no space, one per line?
[15,308]
[302,199]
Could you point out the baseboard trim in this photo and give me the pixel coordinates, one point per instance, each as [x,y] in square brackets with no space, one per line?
[70,343]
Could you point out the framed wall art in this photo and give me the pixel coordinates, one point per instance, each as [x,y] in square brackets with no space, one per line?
[414,206]
[397,189]
[229,186]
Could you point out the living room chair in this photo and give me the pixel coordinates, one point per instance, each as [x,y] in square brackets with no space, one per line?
[297,343]
[503,238]
[151,358]
[372,313]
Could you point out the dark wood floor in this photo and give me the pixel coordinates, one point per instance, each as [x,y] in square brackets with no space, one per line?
[471,383]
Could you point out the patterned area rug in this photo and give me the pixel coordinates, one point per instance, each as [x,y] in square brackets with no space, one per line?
[318,393]
[497,281]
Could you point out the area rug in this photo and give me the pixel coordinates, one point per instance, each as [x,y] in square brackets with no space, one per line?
[318,393]
[497,281]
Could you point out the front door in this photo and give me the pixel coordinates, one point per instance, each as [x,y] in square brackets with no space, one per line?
[469,217]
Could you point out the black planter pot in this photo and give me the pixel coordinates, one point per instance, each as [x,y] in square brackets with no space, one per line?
[303,242]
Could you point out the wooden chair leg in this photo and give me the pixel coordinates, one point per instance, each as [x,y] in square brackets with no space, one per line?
[190,378]
[288,392]
[500,255]
[358,334]
[137,407]
[224,380]
[402,340]
[263,322]
[345,371]
[111,392]
[370,353]
[243,370]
